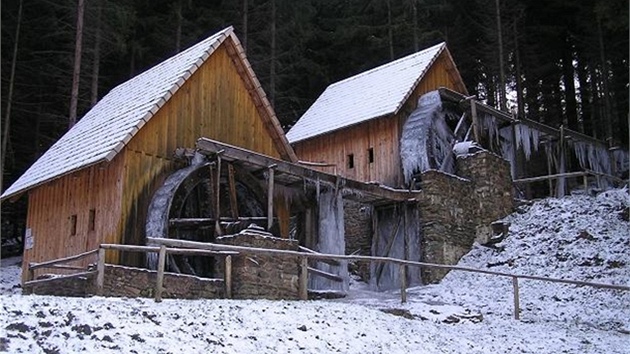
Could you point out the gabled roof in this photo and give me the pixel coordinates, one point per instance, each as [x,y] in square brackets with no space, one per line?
[374,93]
[105,130]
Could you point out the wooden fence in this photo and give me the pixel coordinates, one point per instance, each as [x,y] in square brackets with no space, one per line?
[304,257]
[174,246]
[580,174]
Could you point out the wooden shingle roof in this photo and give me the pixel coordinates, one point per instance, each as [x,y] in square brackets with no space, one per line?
[374,93]
[105,130]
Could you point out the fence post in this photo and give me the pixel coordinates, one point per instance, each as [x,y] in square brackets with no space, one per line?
[160,274]
[403,283]
[585,181]
[517,308]
[303,278]
[228,277]
[100,271]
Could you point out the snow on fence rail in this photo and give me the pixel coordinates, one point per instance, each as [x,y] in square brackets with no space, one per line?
[210,249]
[403,264]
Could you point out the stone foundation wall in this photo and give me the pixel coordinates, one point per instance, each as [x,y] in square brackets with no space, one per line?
[263,277]
[448,223]
[492,193]
[358,228]
[121,281]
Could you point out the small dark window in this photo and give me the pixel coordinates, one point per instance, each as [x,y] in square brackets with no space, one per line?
[371,155]
[351,161]
[91,219]
[73,225]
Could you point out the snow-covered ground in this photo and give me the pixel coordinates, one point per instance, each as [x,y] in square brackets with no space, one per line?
[578,237]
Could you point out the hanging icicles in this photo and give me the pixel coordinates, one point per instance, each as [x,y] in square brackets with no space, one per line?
[426,140]
[526,138]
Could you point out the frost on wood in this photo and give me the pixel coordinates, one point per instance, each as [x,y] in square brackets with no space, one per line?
[398,236]
[331,241]
[426,140]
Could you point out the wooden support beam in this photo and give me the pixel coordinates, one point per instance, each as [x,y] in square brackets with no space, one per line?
[517,308]
[228,277]
[475,119]
[270,185]
[326,275]
[232,186]
[69,276]
[100,271]
[160,274]
[217,215]
[403,283]
[61,260]
[303,279]
[254,160]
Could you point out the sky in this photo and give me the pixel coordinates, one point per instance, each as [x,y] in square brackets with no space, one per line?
[578,237]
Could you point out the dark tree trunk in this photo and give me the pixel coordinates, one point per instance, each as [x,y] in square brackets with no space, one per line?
[97,54]
[569,86]
[502,95]
[272,59]
[76,71]
[244,34]
[586,104]
[7,116]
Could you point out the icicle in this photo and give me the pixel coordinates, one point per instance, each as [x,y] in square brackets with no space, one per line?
[507,148]
[426,138]
[331,240]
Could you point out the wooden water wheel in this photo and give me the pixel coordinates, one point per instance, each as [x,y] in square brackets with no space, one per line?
[199,203]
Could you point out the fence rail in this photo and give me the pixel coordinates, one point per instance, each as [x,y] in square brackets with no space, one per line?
[173,246]
[403,264]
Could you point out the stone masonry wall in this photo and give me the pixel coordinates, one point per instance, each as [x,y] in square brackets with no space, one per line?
[491,189]
[123,281]
[448,226]
[263,277]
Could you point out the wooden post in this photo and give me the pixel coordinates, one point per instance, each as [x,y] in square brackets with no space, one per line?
[585,181]
[550,181]
[303,278]
[517,308]
[160,274]
[100,269]
[217,224]
[270,184]
[228,277]
[560,185]
[403,283]
[232,185]
[475,119]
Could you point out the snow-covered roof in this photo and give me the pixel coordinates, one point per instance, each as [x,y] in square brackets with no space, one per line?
[103,132]
[374,93]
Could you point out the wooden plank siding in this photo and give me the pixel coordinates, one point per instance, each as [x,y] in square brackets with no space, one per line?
[213,103]
[51,207]
[381,134]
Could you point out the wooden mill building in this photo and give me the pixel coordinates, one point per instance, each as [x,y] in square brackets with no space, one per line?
[356,123]
[95,184]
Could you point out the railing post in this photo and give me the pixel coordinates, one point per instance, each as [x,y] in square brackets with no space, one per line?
[303,278]
[585,181]
[100,271]
[403,283]
[160,274]
[517,308]
[228,277]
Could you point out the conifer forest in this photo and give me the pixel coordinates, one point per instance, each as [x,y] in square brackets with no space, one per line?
[560,62]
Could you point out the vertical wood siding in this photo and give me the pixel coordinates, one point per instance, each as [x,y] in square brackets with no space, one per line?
[381,134]
[213,103]
[51,206]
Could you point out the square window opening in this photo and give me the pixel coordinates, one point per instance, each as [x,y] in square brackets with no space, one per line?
[92,220]
[371,155]
[73,225]
[351,161]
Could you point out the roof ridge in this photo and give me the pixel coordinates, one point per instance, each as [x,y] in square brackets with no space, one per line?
[388,64]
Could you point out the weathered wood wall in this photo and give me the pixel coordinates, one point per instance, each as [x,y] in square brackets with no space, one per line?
[51,207]
[381,134]
[213,103]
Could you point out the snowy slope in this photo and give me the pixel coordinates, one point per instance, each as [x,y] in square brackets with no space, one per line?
[577,237]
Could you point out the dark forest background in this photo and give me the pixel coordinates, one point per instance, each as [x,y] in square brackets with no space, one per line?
[561,62]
